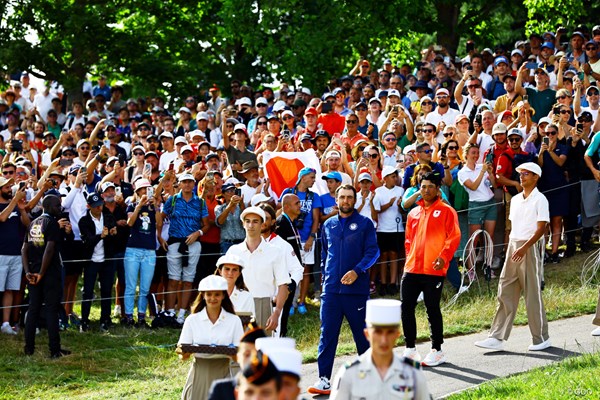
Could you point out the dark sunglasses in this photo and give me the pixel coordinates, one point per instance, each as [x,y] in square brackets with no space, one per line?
[138,153]
[261,105]
[352,121]
[565,111]
[551,132]
[428,131]
[426,103]
[452,147]
[8,172]
[361,109]
[562,97]
[84,148]
[373,155]
[448,134]
[418,130]
[429,151]
[473,86]
[261,123]
[287,117]
[592,93]
[514,139]
[390,139]
[591,48]
[143,128]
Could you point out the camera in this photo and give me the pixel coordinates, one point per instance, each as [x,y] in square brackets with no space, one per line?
[285,134]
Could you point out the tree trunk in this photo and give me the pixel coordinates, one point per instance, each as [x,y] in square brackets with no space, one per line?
[447,21]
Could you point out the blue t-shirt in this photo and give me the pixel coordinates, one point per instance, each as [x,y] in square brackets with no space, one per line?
[327,203]
[185,216]
[12,233]
[142,234]
[308,202]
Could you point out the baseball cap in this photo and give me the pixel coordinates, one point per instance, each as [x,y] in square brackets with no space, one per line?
[244,101]
[393,92]
[262,100]
[142,183]
[499,127]
[167,135]
[499,60]
[332,175]
[240,127]
[311,111]
[186,177]
[333,153]
[180,140]
[516,131]
[94,200]
[202,116]
[388,170]
[365,176]
[230,258]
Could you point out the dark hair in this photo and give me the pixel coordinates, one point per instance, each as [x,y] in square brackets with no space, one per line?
[200,303]
[432,125]
[477,55]
[345,187]
[239,282]
[445,145]
[269,210]
[433,177]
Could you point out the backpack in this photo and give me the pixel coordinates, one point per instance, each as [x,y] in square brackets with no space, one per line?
[515,161]
[459,198]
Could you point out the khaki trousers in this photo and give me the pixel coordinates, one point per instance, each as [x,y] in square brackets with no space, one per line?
[263,307]
[596,320]
[526,277]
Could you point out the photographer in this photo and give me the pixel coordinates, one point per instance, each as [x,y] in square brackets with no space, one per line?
[308,225]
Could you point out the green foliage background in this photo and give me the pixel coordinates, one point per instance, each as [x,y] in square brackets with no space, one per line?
[176,47]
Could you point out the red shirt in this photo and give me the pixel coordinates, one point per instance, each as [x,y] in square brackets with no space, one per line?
[504,166]
[213,235]
[498,150]
[332,123]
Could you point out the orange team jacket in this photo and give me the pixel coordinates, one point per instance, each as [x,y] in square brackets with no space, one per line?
[431,232]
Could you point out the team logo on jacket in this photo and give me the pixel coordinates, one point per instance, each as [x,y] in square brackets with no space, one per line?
[436,213]
[353,226]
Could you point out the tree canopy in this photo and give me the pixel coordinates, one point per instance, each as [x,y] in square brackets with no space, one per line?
[177,47]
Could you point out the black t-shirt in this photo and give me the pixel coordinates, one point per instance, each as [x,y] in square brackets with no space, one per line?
[42,230]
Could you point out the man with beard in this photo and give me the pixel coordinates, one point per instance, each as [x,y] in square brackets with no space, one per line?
[349,251]
[13,220]
[442,113]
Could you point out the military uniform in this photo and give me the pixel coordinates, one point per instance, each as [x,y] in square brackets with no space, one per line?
[361,380]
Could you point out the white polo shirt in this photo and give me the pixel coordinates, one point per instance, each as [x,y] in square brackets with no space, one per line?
[525,213]
[98,255]
[483,192]
[294,268]
[265,268]
[198,329]
[448,118]
[390,220]
[242,301]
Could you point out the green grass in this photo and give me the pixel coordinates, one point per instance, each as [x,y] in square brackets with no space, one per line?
[573,378]
[130,363]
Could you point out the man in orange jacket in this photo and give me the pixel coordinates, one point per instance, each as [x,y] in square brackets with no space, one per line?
[432,237]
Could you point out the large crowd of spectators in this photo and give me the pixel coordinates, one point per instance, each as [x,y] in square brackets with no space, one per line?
[150,192]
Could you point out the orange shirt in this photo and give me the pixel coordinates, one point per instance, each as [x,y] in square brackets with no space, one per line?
[431,232]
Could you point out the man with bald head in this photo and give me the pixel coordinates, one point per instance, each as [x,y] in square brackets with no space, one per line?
[285,222]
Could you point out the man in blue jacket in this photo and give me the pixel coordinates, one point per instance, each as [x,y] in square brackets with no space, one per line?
[349,250]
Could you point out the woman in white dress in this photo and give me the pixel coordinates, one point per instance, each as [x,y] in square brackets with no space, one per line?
[212,322]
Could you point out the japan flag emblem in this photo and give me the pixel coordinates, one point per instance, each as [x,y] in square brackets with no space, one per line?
[436,213]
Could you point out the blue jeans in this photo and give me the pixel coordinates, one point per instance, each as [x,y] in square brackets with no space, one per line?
[138,263]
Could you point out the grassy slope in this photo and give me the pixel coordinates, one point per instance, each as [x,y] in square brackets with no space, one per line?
[140,364]
[572,378]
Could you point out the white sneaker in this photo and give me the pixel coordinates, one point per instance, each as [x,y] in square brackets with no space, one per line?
[117,312]
[322,386]
[7,329]
[181,319]
[596,332]
[541,346]
[491,343]
[412,353]
[434,358]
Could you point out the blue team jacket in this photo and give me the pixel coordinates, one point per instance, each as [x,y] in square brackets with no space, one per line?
[348,244]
